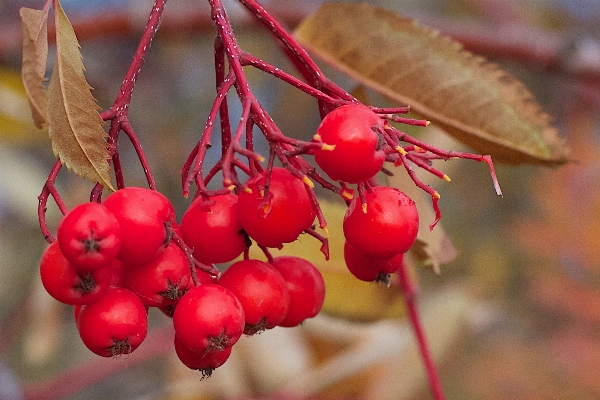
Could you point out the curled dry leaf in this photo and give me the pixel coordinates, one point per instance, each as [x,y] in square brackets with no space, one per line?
[74,125]
[35,56]
[470,98]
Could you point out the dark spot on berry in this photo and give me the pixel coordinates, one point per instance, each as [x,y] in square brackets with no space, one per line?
[87,284]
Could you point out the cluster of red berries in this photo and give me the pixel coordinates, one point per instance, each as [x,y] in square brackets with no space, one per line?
[114,260]
[382,223]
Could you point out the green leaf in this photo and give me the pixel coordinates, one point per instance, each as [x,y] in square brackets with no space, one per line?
[471,99]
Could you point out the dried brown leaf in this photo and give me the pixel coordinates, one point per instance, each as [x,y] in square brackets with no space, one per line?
[470,98]
[35,56]
[75,126]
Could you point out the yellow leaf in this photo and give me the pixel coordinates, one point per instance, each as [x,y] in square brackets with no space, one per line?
[35,56]
[15,113]
[74,124]
[470,98]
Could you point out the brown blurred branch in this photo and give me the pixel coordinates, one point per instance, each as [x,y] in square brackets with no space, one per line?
[557,52]
[120,22]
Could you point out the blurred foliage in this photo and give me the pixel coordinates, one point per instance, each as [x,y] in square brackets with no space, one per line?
[15,117]
[528,262]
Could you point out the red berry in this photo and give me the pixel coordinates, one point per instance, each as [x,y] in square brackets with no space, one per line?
[68,285]
[117,273]
[89,236]
[115,324]
[387,228]
[371,269]
[261,290]
[354,131]
[281,217]
[206,363]
[213,230]
[160,282]
[208,318]
[306,288]
[146,217]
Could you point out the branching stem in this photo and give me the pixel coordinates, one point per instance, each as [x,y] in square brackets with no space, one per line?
[237,153]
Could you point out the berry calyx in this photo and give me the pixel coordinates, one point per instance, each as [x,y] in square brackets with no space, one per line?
[208,318]
[161,282]
[370,269]
[64,282]
[205,363]
[89,236]
[116,324]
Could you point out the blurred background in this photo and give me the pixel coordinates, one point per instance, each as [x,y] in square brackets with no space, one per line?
[516,315]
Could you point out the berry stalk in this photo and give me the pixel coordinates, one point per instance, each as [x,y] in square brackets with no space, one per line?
[409,292]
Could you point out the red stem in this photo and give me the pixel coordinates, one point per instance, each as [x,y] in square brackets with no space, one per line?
[247,59]
[324,242]
[204,143]
[128,129]
[446,155]
[409,293]
[50,190]
[124,98]
[294,49]
[209,269]
[219,52]
[118,113]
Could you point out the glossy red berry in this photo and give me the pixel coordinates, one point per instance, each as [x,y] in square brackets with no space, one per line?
[117,273]
[63,281]
[208,318]
[358,154]
[261,290]
[387,228]
[115,324]
[203,362]
[371,269]
[160,282]
[89,236]
[282,216]
[146,217]
[305,286]
[213,229]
